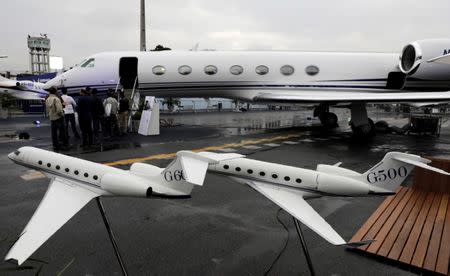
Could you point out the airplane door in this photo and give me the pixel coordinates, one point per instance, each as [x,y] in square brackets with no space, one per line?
[128,71]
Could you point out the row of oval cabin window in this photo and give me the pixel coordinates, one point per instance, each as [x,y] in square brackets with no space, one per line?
[261,173]
[76,172]
[286,70]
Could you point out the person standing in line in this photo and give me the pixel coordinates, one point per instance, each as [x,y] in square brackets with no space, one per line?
[124,109]
[84,109]
[98,111]
[111,106]
[56,114]
[69,113]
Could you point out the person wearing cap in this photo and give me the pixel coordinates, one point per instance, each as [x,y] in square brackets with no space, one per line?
[55,113]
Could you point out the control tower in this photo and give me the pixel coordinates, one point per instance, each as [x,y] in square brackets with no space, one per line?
[39,54]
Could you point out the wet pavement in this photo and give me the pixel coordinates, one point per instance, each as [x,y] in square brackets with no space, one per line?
[225,228]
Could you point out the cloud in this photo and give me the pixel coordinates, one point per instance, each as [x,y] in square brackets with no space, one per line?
[83,27]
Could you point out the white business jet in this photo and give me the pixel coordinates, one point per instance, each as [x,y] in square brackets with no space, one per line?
[23,90]
[75,182]
[288,187]
[420,73]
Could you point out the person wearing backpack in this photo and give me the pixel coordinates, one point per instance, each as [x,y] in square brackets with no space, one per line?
[55,113]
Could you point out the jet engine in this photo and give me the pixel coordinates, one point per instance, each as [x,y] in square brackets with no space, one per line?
[416,59]
[126,185]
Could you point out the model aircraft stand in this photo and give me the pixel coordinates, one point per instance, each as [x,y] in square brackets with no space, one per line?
[412,227]
[304,246]
[111,236]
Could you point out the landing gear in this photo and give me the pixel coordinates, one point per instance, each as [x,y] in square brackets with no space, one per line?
[362,126]
[327,119]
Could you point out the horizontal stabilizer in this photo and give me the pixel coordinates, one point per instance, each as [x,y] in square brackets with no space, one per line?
[420,164]
[195,165]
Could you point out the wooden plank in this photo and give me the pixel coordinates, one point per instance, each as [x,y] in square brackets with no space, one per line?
[379,238]
[393,232]
[373,218]
[422,244]
[382,219]
[435,241]
[402,236]
[410,246]
[444,250]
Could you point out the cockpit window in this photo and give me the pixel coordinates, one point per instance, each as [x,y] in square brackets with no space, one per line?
[17,152]
[89,63]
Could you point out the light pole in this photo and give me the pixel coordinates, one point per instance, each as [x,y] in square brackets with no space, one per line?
[143,44]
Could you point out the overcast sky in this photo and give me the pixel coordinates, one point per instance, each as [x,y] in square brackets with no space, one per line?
[78,28]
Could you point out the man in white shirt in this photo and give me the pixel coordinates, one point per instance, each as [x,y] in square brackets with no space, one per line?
[69,113]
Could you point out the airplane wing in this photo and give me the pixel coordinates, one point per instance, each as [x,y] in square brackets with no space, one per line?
[349,95]
[61,202]
[27,95]
[292,201]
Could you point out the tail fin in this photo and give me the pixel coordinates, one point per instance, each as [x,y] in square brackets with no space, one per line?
[390,172]
[189,168]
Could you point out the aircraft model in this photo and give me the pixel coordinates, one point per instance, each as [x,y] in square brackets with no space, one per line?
[24,90]
[420,73]
[288,187]
[75,182]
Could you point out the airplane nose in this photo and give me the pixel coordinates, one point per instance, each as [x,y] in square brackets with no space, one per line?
[11,156]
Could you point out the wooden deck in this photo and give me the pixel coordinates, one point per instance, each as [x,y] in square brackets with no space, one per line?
[412,227]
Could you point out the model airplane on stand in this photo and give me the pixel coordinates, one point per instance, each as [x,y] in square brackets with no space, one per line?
[288,187]
[75,182]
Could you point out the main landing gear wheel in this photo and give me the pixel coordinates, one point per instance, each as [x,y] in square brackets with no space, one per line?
[364,131]
[328,120]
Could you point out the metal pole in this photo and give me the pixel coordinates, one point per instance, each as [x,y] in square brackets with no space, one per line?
[304,246]
[143,44]
[111,236]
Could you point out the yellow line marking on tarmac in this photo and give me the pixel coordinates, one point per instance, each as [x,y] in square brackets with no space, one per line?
[210,148]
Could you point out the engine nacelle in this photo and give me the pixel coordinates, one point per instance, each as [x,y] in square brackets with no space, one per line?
[415,56]
[341,185]
[126,185]
[335,170]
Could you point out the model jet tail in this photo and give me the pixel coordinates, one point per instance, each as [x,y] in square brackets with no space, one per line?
[395,167]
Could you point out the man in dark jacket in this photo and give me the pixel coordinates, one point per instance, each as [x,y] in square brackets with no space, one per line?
[84,109]
[98,112]
[124,108]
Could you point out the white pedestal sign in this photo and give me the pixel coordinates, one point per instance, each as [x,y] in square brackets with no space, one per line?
[149,124]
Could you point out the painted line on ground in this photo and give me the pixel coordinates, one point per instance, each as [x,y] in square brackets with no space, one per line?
[210,148]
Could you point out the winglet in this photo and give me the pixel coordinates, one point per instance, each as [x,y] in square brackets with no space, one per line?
[358,243]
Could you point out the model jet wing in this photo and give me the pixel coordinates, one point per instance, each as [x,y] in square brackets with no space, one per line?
[349,95]
[61,202]
[441,59]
